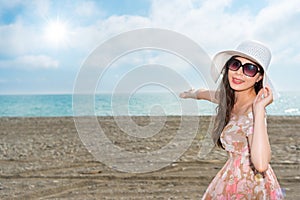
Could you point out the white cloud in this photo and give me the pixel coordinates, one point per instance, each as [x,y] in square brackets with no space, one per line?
[87,9]
[279,25]
[9,4]
[18,39]
[41,8]
[216,28]
[204,21]
[89,37]
[30,62]
[36,7]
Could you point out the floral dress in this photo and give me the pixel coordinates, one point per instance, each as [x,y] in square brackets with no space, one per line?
[238,179]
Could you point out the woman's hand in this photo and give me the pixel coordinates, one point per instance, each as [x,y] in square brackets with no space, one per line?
[192,93]
[200,94]
[263,99]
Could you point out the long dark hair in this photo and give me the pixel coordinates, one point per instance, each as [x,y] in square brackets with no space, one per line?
[226,97]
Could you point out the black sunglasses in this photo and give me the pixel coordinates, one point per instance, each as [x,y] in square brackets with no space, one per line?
[249,69]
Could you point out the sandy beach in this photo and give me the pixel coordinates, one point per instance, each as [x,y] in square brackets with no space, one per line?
[44,158]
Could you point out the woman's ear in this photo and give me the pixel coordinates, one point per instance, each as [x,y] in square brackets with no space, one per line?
[260,77]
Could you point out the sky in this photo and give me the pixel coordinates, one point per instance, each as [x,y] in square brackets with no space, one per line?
[44,43]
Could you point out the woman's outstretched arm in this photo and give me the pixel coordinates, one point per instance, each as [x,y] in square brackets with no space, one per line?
[202,94]
[259,141]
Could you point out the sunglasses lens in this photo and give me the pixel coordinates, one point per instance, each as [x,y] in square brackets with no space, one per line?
[234,65]
[250,70]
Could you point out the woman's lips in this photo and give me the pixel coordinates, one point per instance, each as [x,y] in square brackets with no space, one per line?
[237,81]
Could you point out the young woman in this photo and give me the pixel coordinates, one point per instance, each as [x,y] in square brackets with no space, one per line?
[240,124]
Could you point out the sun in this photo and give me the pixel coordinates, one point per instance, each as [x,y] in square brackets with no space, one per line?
[56,32]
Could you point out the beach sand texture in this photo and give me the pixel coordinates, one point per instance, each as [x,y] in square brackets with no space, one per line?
[43,158]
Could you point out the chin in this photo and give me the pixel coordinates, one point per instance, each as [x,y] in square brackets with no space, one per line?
[240,87]
[236,86]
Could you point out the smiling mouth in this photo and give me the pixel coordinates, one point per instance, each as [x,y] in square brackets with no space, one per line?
[237,81]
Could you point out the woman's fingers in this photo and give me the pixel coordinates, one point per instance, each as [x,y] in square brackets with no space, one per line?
[268,95]
[264,96]
[187,94]
[259,96]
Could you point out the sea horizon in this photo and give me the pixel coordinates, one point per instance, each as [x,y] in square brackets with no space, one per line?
[140,104]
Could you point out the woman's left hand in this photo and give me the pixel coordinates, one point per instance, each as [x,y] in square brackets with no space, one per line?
[263,99]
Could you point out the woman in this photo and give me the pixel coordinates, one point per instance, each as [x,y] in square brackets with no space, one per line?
[240,124]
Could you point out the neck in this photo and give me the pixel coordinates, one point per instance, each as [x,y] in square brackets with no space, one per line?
[244,100]
[245,95]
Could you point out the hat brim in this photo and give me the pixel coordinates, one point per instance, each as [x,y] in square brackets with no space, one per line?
[220,59]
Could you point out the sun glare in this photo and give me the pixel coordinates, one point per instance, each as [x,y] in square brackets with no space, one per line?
[56,32]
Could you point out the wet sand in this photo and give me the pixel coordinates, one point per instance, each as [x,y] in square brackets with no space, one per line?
[44,158]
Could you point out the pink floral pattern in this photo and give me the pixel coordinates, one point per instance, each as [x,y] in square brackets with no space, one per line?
[238,179]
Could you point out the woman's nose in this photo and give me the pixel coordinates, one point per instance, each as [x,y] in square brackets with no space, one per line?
[240,71]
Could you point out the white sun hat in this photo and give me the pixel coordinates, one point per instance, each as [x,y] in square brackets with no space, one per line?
[250,49]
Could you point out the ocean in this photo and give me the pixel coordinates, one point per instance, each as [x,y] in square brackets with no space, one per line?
[141,104]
